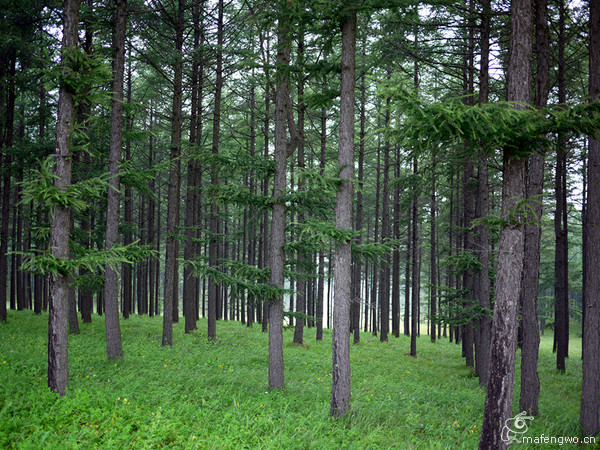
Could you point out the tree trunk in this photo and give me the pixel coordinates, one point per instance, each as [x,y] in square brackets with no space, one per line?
[340,388]
[590,391]
[414,318]
[481,282]
[530,381]
[174,183]
[301,280]
[499,394]
[58,361]
[433,255]
[214,181]
[114,347]
[356,275]
[6,181]
[277,260]
[190,281]
[384,269]
[561,254]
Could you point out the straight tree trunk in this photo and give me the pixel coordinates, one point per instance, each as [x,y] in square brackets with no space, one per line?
[277,260]
[561,254]
[301,281]
[114,347]
[481,282]
[340,388]
[58,361]
[190,281]
[414,318]
[433,254]
[6,178]
[590,390]
[499,393]
[356,275]
[530,381]
[384,270]
[214,181]
[174,183]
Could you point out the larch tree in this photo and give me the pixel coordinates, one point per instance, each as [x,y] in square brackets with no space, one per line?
[277,260]
[340,388]
[114,347]
[174,181]
[58,361]
[590,390]
[530,381]
[481,282]
[499,393]
[213,246]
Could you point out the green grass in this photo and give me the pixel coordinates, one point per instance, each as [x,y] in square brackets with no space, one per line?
[202,394]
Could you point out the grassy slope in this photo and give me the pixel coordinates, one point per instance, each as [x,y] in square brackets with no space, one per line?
[200,394]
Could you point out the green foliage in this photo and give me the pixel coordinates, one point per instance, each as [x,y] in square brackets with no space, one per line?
[41,189]
[497,125]
[44,263]
[206,394]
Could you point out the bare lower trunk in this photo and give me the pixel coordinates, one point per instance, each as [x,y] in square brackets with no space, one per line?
[590,392]
[114,347]
[58,361]
[499,393]
[340,388]
[276,367]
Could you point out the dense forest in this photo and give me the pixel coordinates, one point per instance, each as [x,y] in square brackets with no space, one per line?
[388,167]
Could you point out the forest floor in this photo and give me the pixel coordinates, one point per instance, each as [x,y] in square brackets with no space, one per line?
[203,394]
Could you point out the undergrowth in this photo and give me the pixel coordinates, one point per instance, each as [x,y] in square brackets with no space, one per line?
[205,394]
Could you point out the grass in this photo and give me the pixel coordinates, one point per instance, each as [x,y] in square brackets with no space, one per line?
[203,394]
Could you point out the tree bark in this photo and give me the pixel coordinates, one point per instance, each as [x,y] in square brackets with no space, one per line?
[214,181]
[499,393]
[384,269]
[590,391]
[530,381]
[276,366]
[340,389]
[414,317]
[190,281]
[481,282]
[114,348]
[174,183]
[301,280]
[561,254]
[58,360]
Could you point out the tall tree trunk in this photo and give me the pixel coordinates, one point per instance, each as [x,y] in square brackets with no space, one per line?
[396,251]
[114,347]
[277,260]
[321,283]
[301,281]
[433,254]
[6,141]
[190,281]
[530,381]
[214,181]
[356,274]
[481,282]
[174,183]
[561,258]
[499,394]
[384,269]
[414,317]
[590,390]
[340,388]
[58,361]
[127,300]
